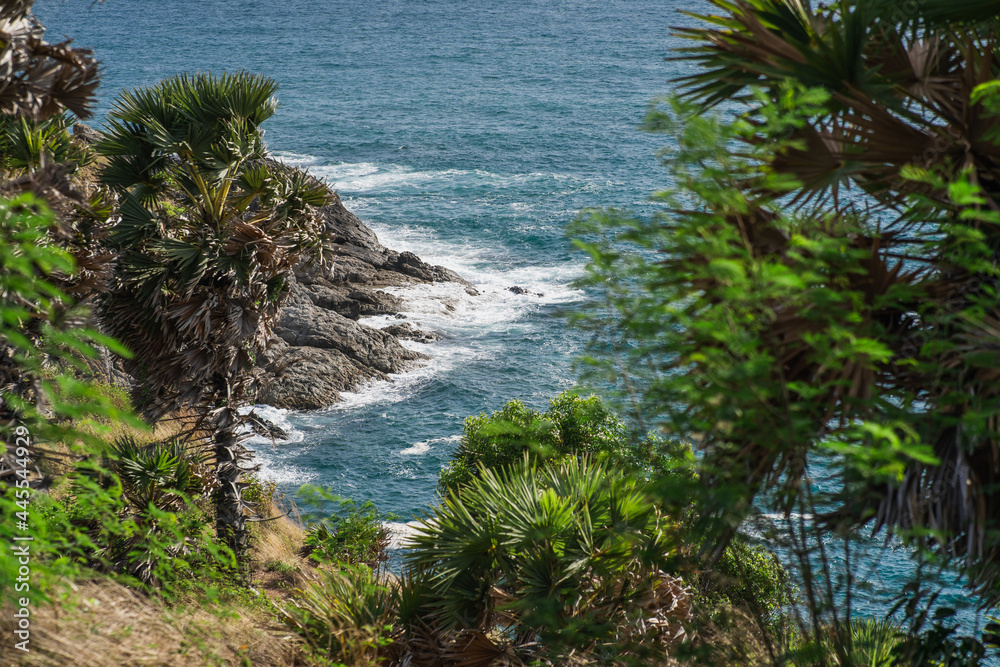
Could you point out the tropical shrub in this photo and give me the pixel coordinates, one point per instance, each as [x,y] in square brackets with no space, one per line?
[340,530]
[346,616]
[750,577]
[164,475]
[849,271]
[28,145]
[357,537]
[43,346]
[572,554]
[873,642]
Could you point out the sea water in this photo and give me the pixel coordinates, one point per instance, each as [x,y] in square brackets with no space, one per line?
[469,133]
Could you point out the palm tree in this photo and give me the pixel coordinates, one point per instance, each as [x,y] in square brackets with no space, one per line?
[910,111]
[208,233]
[570,554]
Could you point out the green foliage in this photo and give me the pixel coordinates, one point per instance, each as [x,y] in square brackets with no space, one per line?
[208,234]
[572,426]
[259,492]
[873,642]
[789,342]
[346,616]
[187,160]
[816,304]
[43,347]
[47,404]
[353,534]
[750,577]
[93,528]
[27,144]
[164,475]
[567,550]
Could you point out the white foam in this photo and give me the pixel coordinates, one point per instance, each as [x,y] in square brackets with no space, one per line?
[265,451]
[402,385]
[416,449]
[296,159]
[277,416]
[348,177]
[400,533]
[420,448]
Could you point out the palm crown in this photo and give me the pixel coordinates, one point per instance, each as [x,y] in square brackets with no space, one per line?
[208,234]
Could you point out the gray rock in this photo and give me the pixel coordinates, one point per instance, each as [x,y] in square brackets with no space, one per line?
[516,289]
[309,378]
[86,134]
[406,331]
[376,303]
[411,265]
[336,299]
[319,348]
[347,228]
[304,324]
[265,427]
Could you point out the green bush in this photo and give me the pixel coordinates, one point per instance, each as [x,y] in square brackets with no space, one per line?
[353,534]
[571,554]
[750,577]
[345,616]
[571,427]
[24,142]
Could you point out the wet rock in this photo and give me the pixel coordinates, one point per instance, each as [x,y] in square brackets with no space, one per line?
[265,427]
[406,331]
[320,348]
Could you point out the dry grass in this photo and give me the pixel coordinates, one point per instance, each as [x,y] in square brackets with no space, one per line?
[279,565]
[105,624]
[733,640]
[102,623]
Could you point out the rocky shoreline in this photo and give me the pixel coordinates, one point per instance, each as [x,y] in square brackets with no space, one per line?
[320,348]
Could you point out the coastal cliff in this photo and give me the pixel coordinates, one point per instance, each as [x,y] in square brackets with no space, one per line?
[320,347]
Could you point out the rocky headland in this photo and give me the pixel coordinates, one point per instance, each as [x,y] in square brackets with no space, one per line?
[320,348]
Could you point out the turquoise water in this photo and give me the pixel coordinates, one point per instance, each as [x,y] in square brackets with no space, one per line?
[469,133]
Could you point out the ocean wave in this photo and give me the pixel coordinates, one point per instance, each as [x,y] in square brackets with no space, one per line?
[443,358]
[360,177]
[424,446]
[400,533]
[296,159]
[266,451]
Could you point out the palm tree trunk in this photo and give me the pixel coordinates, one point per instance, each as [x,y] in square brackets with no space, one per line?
[230,520]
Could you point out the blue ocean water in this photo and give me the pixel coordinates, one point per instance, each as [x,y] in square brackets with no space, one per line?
[469,133]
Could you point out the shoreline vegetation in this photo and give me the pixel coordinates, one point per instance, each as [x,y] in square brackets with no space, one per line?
[776,346]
